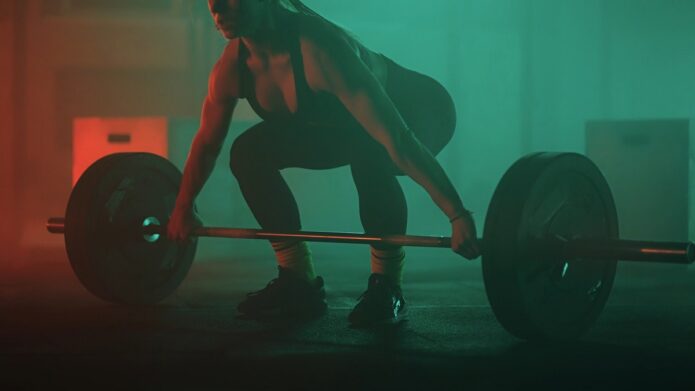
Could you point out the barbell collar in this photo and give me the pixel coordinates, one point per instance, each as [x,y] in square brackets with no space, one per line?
[56,225]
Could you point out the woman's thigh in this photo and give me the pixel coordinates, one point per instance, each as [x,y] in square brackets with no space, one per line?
[424,104]
[300,145]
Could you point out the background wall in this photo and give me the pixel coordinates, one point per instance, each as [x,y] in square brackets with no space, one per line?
[8,134]
[525,75]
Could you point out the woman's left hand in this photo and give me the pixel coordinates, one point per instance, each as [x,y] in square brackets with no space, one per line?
[464,239]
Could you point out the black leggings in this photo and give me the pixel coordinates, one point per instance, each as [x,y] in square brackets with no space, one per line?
[258,155]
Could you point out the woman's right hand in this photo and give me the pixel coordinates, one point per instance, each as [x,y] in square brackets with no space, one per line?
[181,223]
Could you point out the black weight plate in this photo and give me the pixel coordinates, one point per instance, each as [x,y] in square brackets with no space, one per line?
[102,229]
[535,296]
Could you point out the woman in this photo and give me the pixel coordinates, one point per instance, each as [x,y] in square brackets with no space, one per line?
[326,101]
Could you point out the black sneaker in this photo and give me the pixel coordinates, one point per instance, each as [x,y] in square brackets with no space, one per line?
[286,296]
[382,303]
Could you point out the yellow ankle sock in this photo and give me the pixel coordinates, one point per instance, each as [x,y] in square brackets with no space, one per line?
[389,263]
[295,256]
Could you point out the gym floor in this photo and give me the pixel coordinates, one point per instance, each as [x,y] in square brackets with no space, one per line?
[56,335]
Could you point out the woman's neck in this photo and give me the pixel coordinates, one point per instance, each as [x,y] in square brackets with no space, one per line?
[265,42]
[262,45]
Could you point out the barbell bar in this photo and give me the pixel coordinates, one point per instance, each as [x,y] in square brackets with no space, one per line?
[549,249]
[555,248]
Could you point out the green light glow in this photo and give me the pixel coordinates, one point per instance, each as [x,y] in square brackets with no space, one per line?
[151,221]
[565,268]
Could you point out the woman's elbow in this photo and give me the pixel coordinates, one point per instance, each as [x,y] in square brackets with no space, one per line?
[398,155]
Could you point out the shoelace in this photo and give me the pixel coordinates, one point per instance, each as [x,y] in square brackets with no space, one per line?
[366,293]
[272,284]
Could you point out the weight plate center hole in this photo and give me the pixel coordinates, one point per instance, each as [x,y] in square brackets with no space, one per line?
[148,235]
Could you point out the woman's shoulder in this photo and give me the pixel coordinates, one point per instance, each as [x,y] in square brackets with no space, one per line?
[320,37]
[323,33]
[230,54]
[225,74]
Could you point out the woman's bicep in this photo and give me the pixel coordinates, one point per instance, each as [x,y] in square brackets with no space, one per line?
[215,120]
[219,104]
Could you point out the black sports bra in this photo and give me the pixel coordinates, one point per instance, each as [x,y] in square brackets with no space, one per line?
[312,107]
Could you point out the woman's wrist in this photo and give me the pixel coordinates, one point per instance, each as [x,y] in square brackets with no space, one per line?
[460,214]
[184,203]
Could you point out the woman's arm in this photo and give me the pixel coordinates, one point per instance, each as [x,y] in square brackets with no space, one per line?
[332,66]
[216,117]
[207,144]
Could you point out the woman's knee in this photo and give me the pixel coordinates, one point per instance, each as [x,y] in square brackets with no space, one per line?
[383,207]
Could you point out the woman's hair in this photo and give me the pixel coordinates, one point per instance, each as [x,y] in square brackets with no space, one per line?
[299,7]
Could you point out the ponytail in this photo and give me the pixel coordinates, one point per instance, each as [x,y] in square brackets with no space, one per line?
[302,8]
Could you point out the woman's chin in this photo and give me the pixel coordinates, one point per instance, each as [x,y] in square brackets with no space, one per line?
[229,32]
[229,35]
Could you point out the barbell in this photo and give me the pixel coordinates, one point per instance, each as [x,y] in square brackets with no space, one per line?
[549,248]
